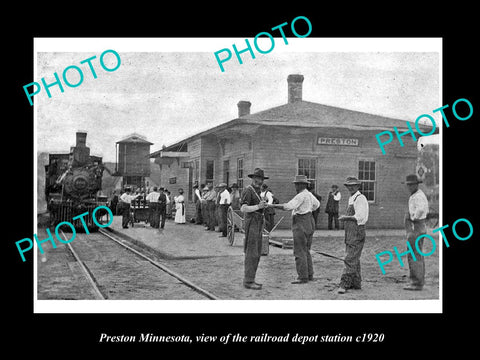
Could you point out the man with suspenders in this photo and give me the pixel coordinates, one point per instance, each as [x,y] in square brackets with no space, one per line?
[354,220]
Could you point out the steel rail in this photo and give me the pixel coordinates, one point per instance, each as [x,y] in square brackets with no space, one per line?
[87,273]
[163,268]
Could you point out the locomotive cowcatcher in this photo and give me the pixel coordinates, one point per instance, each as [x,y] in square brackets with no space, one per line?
[72,182]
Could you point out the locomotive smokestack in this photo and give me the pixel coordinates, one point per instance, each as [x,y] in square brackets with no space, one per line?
[80,152]
[81,138]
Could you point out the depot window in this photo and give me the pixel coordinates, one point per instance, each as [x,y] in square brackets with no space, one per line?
[307,166]
[367,175]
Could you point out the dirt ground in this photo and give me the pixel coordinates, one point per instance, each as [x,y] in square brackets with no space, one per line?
[219,267]
[223,275]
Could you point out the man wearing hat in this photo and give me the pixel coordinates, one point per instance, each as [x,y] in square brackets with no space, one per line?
[415,225]
[203,206]
[224,203]
[252,206]
[303,227]
[210,198]
[197,197]
[354,220]
[331,208]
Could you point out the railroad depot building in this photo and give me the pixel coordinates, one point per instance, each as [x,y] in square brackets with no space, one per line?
[325,143]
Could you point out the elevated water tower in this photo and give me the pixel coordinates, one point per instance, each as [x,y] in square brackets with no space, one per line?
[133,162]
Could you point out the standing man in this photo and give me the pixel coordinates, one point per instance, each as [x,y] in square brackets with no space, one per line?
[204,207]
[198,204]
[168,205]
[162,207]
[217,209]
[303,227]
[252,206]
[355,220]
[211,198]
[126,200]
[415,225]
[152,201]
[269,212]
[114,202]
[331,208]
[224,204]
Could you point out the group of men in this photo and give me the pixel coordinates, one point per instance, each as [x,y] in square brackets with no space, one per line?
[258,205]
[303,206]
[212,203]
[253,205]
[157,201]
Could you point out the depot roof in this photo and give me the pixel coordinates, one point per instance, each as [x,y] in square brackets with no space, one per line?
[308,115]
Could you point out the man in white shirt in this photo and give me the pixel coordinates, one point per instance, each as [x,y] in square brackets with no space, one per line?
[415,225]
[224,203]
[198,204]
[303,227]
[269,213]
[354,223]
[126,199]
[152,201]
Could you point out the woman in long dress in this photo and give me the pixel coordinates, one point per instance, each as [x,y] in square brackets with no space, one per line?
[180,207]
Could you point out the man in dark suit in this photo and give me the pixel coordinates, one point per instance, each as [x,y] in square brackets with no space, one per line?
[162,207]
[331,208]
[253,206]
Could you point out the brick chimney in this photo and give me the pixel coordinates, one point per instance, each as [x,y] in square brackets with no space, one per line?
[81,139]
[294,88]
[244,108]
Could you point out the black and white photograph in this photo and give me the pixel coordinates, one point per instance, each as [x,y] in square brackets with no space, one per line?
[177,178]
[216,178]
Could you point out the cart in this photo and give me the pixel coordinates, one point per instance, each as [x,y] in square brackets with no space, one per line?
[236,223]
[139,211]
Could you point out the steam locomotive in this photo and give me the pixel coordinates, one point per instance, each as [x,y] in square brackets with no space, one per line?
[72,182]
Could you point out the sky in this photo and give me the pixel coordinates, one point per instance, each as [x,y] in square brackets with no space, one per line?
[169,95]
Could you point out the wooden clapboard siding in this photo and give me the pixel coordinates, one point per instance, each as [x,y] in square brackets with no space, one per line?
[237,148]
[210,150]
[181,175]
[194,148]
[277,151]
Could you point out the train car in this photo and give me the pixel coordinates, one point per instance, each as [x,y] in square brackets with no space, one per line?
[72,182]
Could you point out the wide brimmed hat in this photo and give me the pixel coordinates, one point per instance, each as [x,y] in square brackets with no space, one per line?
[352,180]
[301,179]
[258,172]
[412,179]
[205,188]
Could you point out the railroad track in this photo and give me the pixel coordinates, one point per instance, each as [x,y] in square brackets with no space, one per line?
[107,268]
